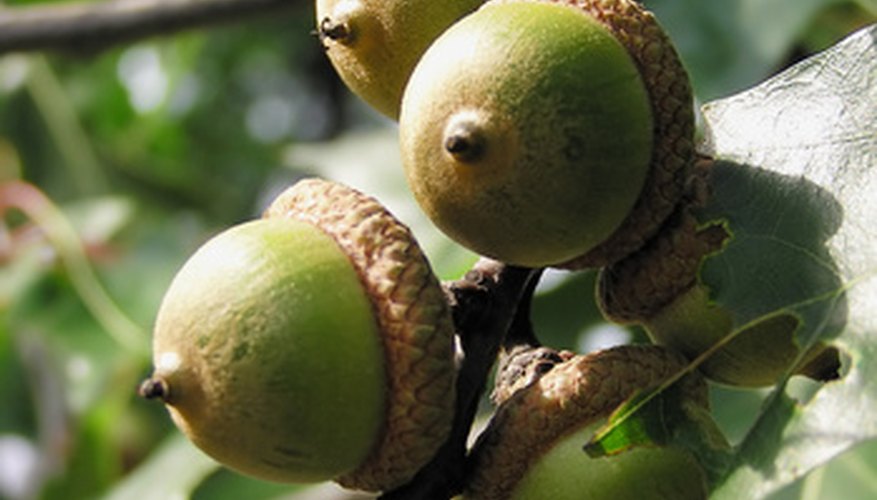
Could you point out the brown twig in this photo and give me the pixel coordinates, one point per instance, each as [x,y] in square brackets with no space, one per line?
[521,331]
[96,25]
[485,302]
[523,359]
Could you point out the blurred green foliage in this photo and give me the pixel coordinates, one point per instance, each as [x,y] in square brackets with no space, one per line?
[151,147]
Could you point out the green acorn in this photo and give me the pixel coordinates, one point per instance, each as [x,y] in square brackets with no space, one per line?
[542,132]
[532,448]
[312,344]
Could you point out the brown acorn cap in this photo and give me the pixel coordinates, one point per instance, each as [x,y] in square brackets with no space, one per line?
[672,111]
[412,313]
[574,394]
[642,284]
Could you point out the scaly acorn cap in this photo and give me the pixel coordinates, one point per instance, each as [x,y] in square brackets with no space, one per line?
[412,314]
[572,395]
[658,287]
[670,93]
[522,366]
[639,286]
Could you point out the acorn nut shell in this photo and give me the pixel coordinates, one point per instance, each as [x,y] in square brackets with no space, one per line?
[312,344]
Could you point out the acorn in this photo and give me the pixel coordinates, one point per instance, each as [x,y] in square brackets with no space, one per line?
[374,44]
[314,343]
[533,446]
[549,133]
[658,287]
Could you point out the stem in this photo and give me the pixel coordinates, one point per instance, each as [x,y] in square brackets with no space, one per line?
[521,332]
[523,359]
[484,304]
[155,388]
[335,31]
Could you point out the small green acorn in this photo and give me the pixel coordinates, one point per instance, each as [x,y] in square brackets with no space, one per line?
[374,44]
[532,447]
[658,287]
[312,344]
[542,132]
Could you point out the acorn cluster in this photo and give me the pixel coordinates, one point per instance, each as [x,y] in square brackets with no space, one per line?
[315,343]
